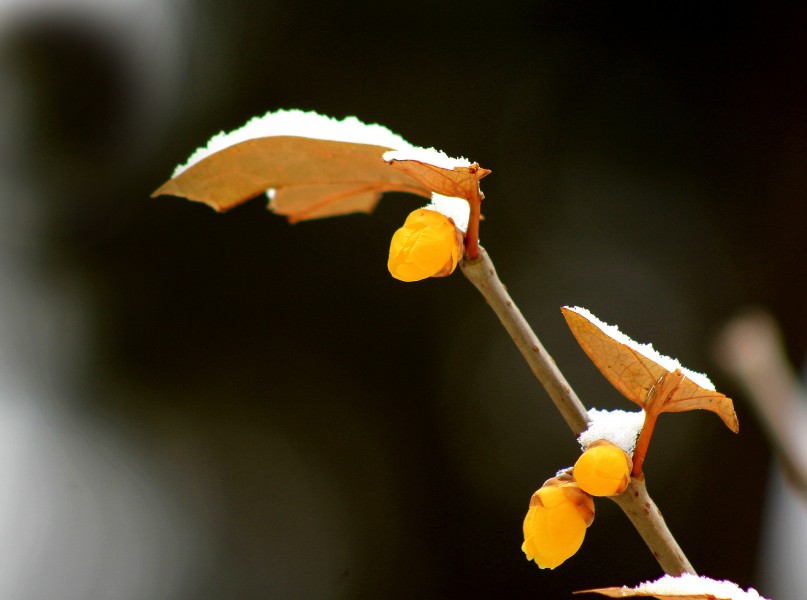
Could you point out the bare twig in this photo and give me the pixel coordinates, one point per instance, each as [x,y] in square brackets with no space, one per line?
[750,348]
[635,501]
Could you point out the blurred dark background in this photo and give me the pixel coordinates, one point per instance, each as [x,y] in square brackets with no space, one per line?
[205,406]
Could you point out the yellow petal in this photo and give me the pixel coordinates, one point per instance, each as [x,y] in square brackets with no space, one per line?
[603,469]
[556,524]
[428,245]
[552,496]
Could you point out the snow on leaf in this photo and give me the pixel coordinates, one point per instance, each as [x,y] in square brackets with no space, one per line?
[307,124]
[617,426]
[682,587]
[455,209]
[655,382]
[312,166]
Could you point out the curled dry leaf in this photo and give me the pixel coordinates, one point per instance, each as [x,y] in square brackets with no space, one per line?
[655,382]
[309,176]
[683,587]
[615,592]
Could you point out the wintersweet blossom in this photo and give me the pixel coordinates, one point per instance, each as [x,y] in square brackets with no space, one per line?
[428,245]
[603,469]
[556,522]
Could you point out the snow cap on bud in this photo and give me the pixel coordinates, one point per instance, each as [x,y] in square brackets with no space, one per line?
[556,522]
[603,469]
[428,245]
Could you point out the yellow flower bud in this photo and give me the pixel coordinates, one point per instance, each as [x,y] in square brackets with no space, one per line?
[428,245]
[556,522]
[603,469]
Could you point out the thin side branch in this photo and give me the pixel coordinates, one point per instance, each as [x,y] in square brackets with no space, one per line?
[635,501]
[751,349]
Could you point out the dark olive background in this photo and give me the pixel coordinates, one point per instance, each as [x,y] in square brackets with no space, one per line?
[329,432]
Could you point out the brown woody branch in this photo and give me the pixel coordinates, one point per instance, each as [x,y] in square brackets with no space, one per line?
[635,501]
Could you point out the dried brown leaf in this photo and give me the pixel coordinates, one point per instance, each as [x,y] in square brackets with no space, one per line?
[618,592]
[313,178]
[686,586]
[628,367]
